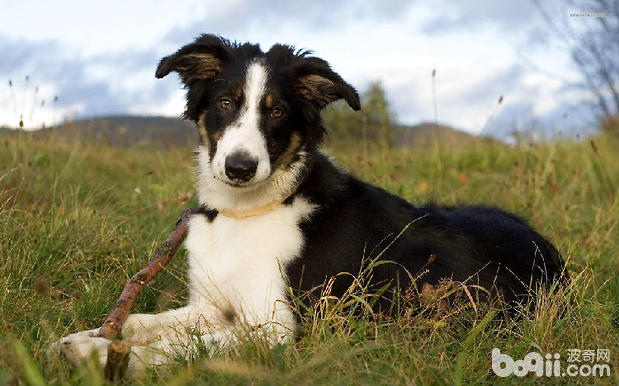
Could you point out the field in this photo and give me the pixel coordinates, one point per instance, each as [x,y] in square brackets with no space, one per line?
[77,219]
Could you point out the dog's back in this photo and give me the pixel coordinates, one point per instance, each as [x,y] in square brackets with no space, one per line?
[476,245]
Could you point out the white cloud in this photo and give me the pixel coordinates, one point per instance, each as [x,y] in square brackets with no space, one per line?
[93,27]
[173,106]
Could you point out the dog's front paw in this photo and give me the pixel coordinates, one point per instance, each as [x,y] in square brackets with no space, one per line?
[81,345]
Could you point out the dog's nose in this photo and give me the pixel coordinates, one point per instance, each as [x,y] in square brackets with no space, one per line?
[241,166]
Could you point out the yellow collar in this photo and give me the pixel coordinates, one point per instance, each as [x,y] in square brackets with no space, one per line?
[241,214]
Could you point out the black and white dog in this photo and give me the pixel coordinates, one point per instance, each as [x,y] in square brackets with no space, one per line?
[279,215]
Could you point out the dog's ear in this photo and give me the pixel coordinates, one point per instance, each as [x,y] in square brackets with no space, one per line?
[201,60]
[316,81]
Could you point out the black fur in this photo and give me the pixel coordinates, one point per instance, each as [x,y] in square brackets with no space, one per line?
[209,213]
[473,244]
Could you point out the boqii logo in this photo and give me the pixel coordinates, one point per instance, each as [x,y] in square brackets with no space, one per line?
[581,363]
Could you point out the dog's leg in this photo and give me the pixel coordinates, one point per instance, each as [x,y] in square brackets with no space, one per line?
[139,328]
[180,345]
[187,345]
[181,332]
[147,327]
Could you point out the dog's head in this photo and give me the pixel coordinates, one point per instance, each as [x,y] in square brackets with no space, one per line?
[257,112]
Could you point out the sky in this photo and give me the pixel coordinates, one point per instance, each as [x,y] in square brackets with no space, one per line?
[99,58]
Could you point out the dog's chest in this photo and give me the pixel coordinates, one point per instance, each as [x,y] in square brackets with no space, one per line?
[241,261]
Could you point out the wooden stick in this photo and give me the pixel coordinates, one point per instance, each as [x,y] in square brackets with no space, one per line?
[113,324]
[118,351]
[117,360]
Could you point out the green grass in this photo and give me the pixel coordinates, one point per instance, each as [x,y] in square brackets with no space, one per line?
[76,220]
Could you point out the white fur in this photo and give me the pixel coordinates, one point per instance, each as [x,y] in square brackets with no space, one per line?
[239,263]
[244,133]
[234,265]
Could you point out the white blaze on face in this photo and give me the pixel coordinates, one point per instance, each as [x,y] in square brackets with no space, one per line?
[244,134]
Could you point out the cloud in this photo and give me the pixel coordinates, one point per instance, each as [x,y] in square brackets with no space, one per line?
[509,16]
[20,53]
[514,117]
[491,87]
[86,86]
[566,119]
[240,20]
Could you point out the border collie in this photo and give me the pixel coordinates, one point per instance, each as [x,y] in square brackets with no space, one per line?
[278,216]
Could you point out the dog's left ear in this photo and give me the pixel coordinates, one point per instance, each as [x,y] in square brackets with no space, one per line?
[315,81]
[201,60]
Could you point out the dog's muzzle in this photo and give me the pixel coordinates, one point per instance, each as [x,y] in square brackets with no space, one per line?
[241,166]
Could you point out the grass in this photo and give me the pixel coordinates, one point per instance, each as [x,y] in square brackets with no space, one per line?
[77,219]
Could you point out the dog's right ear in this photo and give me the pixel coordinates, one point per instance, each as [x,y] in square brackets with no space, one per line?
[201,60]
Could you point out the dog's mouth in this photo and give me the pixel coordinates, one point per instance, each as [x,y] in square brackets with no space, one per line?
[237,184]
[241,184]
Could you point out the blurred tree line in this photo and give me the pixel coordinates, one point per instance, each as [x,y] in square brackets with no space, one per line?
[374,123]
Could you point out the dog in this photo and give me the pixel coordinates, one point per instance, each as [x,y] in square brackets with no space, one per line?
[279,217]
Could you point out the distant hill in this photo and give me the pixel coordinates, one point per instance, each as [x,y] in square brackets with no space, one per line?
[426,134]
[169,132]
[130,130]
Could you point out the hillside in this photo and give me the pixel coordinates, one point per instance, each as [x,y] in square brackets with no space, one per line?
[168,132]
[128,130]
[425,134]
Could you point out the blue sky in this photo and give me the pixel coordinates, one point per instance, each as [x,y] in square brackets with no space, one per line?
[100,57]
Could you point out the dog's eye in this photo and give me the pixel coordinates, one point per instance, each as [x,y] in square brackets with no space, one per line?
[225,103]
[277,112]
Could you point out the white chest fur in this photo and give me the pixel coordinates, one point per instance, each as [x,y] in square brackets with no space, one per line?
[237,265]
